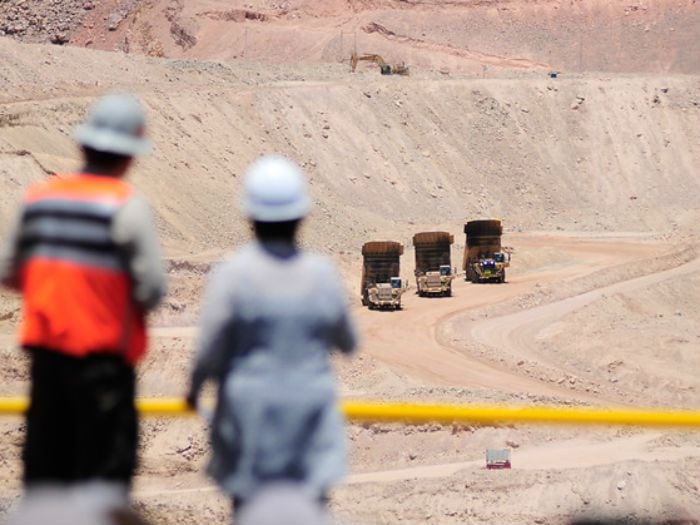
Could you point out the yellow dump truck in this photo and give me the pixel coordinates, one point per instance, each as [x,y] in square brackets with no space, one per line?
[484,259]
[433,271]
[381,286]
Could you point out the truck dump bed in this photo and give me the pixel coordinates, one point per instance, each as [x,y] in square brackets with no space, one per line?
[381,262]
[483,239]
[432,251]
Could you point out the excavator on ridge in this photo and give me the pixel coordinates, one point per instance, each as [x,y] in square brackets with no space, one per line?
[384,68]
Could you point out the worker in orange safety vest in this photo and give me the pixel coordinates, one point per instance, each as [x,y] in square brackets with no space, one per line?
[84,255]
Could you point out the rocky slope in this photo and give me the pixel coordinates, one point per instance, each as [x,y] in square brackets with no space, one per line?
[583,153]
[482,38]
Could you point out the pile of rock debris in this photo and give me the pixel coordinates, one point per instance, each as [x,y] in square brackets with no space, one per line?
[42,20]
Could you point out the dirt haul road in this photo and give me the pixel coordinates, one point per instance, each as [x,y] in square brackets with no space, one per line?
[427,474]
[416,343]
[411,349]
[488,338]
[565,455]
[417,346]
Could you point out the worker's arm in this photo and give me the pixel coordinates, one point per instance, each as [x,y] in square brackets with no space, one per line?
[215,331]
[344,332]
[134,232]
[9,254]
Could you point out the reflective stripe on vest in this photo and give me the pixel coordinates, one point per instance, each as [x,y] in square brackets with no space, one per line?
[70,230]
[74,278]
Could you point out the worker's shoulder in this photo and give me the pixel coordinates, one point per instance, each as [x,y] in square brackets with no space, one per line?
[236,260]
[243,260]
[325,272]
[80,186]
[248,258]
[319,262]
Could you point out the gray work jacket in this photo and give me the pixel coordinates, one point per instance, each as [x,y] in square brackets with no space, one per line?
[271,317]
[132,230]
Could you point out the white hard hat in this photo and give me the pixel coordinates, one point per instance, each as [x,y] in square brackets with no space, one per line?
[275,190]
[115,125]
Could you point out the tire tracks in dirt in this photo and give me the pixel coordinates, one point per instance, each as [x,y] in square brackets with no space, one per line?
[579,453]
[410,342]
[517,332]
[480,57]
[570,454]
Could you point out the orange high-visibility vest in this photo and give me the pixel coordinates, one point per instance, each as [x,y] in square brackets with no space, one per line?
[73,277]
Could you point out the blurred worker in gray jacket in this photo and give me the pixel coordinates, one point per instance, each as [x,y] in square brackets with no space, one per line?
[84,254]
[271,317]
[283,503]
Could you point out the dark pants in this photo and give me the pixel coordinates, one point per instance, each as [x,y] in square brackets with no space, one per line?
[81,423]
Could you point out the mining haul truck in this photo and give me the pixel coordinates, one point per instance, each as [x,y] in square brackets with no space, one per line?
[433,263]
[484,259]
[381,286]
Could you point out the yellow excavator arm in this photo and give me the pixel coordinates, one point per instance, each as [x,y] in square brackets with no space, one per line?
[355,58]
[399,69]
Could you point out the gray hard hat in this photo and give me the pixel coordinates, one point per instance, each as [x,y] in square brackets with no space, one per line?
[115,124]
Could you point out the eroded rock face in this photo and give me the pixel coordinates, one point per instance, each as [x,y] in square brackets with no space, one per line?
[460,36]
[41,20]
[58,21]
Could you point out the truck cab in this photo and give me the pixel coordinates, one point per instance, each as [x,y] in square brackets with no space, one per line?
[386,296]
[436,283]
[491,268]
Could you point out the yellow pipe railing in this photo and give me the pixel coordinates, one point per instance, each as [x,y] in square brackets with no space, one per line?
[447,414]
